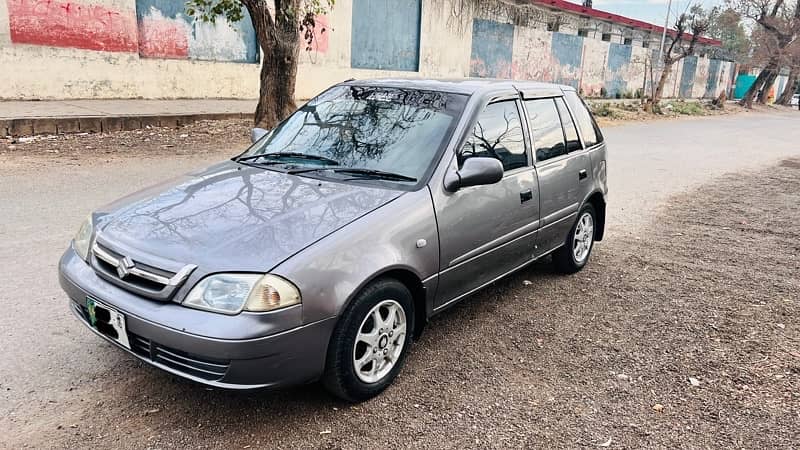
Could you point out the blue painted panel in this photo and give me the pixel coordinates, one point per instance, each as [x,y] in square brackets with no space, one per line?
[714,68]
[567,50]
[492,46]
[385,34]
[687,77]
[619,56]
[166,31]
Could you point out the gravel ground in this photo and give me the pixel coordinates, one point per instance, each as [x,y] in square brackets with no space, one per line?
[681,334]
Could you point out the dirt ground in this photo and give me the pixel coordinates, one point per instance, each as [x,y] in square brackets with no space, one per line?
[195,139]
[684,335]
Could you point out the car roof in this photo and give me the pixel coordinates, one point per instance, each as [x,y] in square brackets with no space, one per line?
[467,86]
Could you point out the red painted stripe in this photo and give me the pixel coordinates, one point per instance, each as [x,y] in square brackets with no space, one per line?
[68,24]
[162,39]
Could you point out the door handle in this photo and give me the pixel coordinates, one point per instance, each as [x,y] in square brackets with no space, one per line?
[582,174]
[525,196]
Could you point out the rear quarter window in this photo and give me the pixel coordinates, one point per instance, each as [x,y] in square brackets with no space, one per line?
[589,129]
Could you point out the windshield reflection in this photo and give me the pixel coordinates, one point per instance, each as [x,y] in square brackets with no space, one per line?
[388,129]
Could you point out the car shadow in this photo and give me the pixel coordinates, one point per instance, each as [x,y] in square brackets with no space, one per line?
[160,402]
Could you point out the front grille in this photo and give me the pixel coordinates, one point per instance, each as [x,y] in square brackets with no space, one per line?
[205,368]
[136,276]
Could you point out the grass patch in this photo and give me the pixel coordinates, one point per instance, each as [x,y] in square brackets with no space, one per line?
[685,108]
[603,110]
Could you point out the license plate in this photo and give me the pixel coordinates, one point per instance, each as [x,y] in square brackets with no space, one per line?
[107,321]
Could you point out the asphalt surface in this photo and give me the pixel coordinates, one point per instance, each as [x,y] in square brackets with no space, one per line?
[47,356]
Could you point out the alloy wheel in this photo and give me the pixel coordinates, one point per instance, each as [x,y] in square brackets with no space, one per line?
[583,238]
[379,342]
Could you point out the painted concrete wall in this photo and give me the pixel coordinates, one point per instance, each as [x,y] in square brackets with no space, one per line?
[165,31]
[57,49]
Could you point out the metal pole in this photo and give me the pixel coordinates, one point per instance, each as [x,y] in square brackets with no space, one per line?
[664,35]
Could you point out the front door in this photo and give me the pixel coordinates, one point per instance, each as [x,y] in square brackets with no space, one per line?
[563,169]
[487,231]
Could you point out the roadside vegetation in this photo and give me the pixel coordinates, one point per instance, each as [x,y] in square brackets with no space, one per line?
[611,112]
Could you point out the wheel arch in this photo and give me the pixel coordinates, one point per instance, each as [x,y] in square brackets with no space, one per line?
[598,201]
[411,280]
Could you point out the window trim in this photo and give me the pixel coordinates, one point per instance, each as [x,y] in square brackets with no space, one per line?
[574,124]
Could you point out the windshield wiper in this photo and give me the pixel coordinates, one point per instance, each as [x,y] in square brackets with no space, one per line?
[363,173]
[289,155]
[373,173]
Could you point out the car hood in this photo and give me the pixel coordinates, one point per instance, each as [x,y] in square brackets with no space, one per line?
[232,217]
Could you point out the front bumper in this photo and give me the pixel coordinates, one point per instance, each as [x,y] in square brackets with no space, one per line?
[288,357]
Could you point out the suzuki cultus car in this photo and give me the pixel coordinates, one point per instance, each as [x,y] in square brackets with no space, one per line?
[321,251]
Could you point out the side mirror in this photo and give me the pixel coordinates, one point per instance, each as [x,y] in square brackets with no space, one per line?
[475,171]
[257,133]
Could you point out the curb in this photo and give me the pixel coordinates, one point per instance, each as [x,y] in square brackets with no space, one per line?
[104,124]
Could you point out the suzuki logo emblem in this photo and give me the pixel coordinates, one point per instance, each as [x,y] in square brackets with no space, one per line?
[124,265]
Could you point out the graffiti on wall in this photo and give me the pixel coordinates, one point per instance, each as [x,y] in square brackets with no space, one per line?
[619,58]
[687,76]
[385,34]
[165,31]
[492,47]
[70,24]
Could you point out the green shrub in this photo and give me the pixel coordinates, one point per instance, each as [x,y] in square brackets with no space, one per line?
[687,108]
[603,110]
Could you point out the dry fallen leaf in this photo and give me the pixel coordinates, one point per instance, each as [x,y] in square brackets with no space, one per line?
[605,444]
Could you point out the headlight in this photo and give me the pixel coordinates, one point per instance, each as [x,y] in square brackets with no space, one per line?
[233,293]
[83,239]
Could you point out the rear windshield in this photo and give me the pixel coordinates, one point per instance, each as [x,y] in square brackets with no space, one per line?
[382,128]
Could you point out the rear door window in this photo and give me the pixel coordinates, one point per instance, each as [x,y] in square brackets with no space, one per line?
[546,131]
[570,132]
[589,130]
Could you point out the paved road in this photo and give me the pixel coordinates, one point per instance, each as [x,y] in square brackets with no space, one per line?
[46,354]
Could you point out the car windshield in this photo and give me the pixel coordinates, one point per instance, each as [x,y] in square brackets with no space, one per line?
[381,130]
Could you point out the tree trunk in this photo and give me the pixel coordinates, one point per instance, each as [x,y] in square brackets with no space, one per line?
[763,96]
[278,79]
[279,40]
[652,105]
[788,92]
[747,100]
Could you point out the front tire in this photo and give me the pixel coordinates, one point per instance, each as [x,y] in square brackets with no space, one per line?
[370,342]
[574,254]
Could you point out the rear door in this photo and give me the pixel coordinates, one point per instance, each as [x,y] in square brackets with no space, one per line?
[487,231]
[562,167]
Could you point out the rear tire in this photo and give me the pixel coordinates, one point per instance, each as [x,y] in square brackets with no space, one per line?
[574,254]
[370,341]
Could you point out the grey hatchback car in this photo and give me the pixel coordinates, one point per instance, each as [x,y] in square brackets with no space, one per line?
[321,251]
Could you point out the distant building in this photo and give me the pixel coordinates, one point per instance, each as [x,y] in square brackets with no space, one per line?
[594,23]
